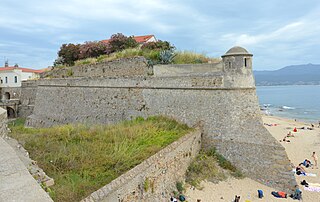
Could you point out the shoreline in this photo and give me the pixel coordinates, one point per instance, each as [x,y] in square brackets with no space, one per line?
[299,148]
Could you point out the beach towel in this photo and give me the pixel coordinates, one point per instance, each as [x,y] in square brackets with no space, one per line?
[313,189]
[308,174]
[314,184]
[311,174]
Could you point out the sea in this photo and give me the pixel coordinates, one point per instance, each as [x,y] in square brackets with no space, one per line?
[300,102]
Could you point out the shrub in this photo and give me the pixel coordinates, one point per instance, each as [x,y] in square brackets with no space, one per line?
[119,42]
[159,45]
[166,56]
[92,49]
[69,53]
[180,187]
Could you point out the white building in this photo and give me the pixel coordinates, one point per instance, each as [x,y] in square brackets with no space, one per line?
[12,76]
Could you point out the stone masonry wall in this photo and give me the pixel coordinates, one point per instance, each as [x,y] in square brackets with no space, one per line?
[13,91]
[136,66]
[16,183]
[155,178]
[27,98]
[230,115]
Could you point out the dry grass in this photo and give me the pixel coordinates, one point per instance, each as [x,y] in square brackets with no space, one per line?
[188,57]
[83,158]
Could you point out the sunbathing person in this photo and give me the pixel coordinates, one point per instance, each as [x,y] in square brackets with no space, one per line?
[285,139]
[306,163]
[300,170]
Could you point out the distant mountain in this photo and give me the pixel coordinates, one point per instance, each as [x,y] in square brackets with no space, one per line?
[308,74]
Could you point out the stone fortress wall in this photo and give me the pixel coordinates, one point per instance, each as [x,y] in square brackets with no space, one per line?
[129,67]
[155,178]
[221,97]
[16,183]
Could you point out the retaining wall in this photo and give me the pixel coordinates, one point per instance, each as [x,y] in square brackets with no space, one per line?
[27,98]
[121,67]
[155,178]
[230,115]
[16,183]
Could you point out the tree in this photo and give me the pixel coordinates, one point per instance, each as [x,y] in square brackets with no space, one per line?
[92,49]
[69,53]
[159,45]
[119,42]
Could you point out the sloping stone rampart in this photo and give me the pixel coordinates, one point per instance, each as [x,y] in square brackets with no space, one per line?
[16,183]
[155,178]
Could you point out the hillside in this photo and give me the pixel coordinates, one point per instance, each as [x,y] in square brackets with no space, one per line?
[307,74]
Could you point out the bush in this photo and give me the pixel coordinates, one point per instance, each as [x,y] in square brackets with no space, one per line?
[207,165]
[119,42]
[166,56]
[180,187]
[69,53]
[159,45]
[92,49]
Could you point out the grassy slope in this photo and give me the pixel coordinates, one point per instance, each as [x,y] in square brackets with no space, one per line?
[81,159]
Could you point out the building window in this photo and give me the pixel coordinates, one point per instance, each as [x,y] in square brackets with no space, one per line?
[16,79]
[6,79]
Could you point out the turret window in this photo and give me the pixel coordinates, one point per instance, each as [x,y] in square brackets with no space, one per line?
[245,62]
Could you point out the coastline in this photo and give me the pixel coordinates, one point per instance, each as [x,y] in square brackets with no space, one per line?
[299,148]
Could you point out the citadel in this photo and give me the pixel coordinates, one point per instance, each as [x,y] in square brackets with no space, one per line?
[218,99]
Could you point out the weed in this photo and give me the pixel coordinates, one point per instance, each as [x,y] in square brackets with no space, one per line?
[179,186]
[83,158]
[208,165]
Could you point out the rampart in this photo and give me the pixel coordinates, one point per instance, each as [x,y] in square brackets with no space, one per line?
[120,67]
[155,178]
[16,183]
[222,100]
[27,98]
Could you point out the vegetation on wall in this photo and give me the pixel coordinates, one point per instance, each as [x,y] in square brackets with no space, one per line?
[83,158]
[210,165]
[69,54]
[121,46]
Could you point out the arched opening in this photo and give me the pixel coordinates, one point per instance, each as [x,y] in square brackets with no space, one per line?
[6,96]
[11,113]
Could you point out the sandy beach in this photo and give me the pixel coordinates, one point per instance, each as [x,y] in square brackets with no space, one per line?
[299,148]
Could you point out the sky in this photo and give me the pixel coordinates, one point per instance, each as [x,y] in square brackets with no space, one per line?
[277,32]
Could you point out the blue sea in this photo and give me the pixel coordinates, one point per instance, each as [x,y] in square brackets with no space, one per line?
[301,102]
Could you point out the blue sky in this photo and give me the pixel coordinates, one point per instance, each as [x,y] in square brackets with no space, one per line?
[277,32]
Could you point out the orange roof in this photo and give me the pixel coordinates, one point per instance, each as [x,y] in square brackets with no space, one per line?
[21,68]
[139,39]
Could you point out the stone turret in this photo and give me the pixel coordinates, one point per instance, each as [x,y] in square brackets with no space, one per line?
[237,66]
[237,58]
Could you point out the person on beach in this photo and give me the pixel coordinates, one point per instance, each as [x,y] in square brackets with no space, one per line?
[315,159]
[307,163]
[300,170]
[295,129]
[297,193]
[290,134]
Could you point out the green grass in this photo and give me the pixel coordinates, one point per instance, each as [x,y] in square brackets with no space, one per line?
[83,158]
[210,165]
